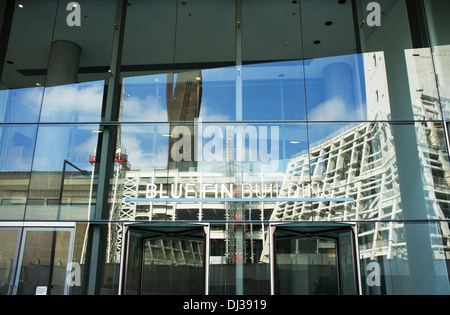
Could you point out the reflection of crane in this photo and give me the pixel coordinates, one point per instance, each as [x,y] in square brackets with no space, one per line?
[120,158]
[121,165]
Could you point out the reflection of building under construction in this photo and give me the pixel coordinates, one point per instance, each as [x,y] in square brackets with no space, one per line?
[358,162]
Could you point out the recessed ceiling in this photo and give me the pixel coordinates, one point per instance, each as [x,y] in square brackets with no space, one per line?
[162,32]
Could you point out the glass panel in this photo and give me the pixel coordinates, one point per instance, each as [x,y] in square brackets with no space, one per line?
[62,184]
[217,94]
[328,28]
[392,259]
[188,78]
[336,90]
[438,24]
[73,43]
[181,259]
[147,65]
[161,262]
[83,34]
[203,84]
[8,259]
[28,52]
[43,262]
[144,98]
[205,160]
[372,163]
[205,33]
[80,102]
[20,105]
[410,76]
[237,262]
[307,266]
[16,153]
[270,83]
[348,277]
[271,30]
[273,91]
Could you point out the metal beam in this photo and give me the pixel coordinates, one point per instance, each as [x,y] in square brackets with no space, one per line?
[107,154]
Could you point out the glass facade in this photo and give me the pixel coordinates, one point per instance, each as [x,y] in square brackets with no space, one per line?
[226,147]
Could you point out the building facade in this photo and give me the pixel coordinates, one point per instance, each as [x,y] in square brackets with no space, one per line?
[224,147]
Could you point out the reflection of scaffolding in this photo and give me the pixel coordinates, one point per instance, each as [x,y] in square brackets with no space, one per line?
[173,251]
[135,183]
[234,234]
[360,163]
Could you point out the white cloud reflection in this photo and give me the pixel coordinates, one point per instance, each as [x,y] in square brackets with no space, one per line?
[73,103]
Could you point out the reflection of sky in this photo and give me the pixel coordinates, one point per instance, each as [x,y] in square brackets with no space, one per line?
[56,143]
[16,148]
[331,89]
[147,146]
[80,102]
[20,105]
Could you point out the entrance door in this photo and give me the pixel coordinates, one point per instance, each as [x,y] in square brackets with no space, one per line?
[9,250]
[34,260]
[165,258]
[314,259]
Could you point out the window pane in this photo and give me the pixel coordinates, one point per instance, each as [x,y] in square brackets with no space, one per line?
[412,89]
[45,256]
[273,91]
[61,52]
[62,184]
[270,84]
[369,163]
[81,102]
[20,105]
[203,84]
[271,31]
[393,256]
[16,154]
[438,24]
[206,160]
[8,252]
[336,90]
[328,28]
[147,65]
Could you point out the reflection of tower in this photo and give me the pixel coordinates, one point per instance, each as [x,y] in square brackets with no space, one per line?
[183,105]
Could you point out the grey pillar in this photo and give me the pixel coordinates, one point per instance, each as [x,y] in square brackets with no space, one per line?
[106,158]
[63,63]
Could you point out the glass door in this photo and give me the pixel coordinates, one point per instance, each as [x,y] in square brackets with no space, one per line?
[8,258]
[314,259]
[165,258]
[307,266]
[43,259]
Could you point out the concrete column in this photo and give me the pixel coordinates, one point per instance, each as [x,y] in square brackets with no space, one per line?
[63,63]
